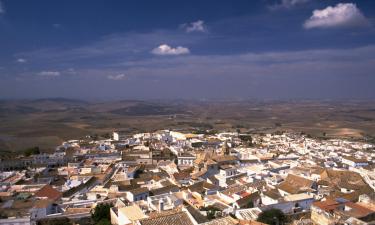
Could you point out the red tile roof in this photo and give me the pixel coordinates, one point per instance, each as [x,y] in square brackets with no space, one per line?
[48,192]
[327,205]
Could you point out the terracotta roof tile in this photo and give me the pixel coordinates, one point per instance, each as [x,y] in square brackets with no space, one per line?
[48,192]
[178,218]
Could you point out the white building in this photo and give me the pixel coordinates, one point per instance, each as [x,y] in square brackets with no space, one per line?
[126,215]
[167,201]
[118,136]
[42,209]
[354,162]
[137,194]
[185,159]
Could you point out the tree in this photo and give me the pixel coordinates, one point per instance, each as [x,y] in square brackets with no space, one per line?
[31,151]
[107,135]
[250,204]
[55,221]
[272,217]
[101,212]
[246,138]
[211,211]
[94,137]
[103,222]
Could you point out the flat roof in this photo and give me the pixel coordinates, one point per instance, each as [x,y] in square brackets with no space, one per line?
[297,197]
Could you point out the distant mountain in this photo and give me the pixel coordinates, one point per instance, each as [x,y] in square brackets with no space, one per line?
[147,109]
[59,100]
[40,105]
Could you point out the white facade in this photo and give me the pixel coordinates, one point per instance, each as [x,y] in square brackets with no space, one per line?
[354,163]
[186,160]
[163,202]
[136,197]
[118,136]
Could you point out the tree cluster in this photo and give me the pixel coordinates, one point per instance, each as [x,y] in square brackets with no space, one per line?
[272,217]
[31,151]
[101,214]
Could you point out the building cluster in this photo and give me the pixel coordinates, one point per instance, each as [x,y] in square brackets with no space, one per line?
[169,177]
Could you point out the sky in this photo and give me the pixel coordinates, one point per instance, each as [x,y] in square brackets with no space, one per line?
[196,49]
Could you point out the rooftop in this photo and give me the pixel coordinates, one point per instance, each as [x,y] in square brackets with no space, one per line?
[174,218]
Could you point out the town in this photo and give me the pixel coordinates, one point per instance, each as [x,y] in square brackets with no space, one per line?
[192,178]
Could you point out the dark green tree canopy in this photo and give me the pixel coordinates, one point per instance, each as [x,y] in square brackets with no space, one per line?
[101,214]
[32,151]
[272,217]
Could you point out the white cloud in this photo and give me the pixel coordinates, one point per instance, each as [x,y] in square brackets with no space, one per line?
[2,10]
[341,15]
[287,4]
[21,60]
[197,26]
[117,77]
[168,50]
[49,73]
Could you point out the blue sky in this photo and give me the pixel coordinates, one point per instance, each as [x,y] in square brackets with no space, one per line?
[213,49]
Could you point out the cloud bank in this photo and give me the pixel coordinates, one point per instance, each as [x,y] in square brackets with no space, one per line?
[306,73]
[341,15]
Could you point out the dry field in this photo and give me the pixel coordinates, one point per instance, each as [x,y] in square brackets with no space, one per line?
[47,122]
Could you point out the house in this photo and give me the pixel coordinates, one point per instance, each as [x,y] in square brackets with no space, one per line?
[182,178]
[330,212]
[118,135]
[203,187]
[225,159]
[185,160]
[48,192]
[98,192]
[42,208]
[248,214]
[354,162]
[345,184]
[213,180]
[168,166]
[271,196]
[165,201]
[171,218]
[126,215]
[248,200]
[294,184]
[196,143]
[125,173]
[137,194]
[90,170]
[227,171]
[165,189]
[231,195]
[164,135]
[225,221]
[301,201]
